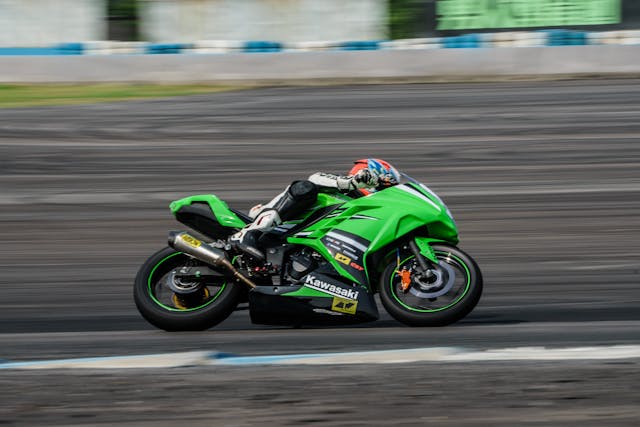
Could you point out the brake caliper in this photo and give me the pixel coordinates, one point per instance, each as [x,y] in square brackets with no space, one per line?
[405,278]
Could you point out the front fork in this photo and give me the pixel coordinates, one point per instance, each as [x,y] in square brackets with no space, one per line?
[421,248]
[427,261]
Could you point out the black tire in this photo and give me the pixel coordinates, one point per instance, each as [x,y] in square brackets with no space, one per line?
[157,304]
[461,282]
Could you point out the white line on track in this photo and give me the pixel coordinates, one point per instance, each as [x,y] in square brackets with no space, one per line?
[432,354]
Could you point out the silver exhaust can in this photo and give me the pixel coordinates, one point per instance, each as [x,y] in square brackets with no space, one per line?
[185,243]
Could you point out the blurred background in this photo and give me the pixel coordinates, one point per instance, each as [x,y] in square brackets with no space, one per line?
[44,22]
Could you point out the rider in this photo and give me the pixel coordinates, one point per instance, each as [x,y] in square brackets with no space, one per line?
[367,176]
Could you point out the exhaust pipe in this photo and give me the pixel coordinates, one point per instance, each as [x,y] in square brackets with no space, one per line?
[183,242]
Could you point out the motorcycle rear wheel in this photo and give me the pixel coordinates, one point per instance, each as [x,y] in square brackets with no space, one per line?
[207,306]
[453,291]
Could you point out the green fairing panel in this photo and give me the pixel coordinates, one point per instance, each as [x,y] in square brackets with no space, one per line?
[397,211]
[324,200]
[322,250]
[424,244]
[404,213]
[382,218]
[220,209]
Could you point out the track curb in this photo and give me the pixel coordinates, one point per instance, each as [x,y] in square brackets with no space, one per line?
[431,354]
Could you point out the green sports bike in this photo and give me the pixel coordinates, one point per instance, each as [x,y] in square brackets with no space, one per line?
[322,268]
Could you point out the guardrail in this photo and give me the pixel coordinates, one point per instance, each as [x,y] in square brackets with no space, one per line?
[466,41]
[399,62]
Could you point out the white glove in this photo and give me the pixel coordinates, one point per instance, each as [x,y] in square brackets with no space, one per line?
[361,179]
[364,179]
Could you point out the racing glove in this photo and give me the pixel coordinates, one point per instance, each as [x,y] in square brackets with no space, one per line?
[362,179]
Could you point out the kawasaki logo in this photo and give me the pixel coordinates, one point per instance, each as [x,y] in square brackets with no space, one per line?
[328,288]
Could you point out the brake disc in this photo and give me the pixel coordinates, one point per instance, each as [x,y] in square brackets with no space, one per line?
[180,286]
[439,284]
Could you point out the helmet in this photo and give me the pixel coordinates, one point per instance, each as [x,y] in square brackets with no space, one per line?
[382,171]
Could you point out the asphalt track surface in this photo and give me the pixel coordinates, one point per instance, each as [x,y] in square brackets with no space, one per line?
[543,179]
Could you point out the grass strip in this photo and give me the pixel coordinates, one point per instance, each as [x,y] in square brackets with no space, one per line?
[51,94]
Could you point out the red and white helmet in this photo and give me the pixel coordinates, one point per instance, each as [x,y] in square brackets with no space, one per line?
[383,173]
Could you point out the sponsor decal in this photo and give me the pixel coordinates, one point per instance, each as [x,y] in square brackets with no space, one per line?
[343,258]
[343,248]
[351,255]
[356,266]
[319,285]
[191,241]
[344,306]
[333,242]
[471,14]
[344,239]
[348,250]
[334,247]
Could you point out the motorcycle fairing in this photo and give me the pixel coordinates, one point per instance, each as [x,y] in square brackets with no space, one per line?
[208,215]
[374,222]
[345,231]
[424,245]
[318,298]
[220,221]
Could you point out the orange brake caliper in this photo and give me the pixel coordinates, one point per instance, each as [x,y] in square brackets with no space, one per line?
[405,279]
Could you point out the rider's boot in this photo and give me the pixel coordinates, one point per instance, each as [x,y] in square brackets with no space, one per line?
[246,239]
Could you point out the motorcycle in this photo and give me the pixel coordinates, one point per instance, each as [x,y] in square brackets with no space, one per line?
[321,268]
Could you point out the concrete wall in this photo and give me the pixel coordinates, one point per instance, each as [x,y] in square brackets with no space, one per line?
[278,20]
[26,23]
[282,67]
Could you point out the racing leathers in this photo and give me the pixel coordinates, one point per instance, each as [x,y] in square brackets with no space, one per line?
[296,198]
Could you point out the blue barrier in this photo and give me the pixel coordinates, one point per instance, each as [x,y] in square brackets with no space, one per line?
[566,38]
[262,46]
[166,48]
[553,37]
[19,51]
[61,49]
[466,41]
[71,48]
[360,45]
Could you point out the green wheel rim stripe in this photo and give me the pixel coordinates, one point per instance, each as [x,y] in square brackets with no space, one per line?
[166,307]
[467,286]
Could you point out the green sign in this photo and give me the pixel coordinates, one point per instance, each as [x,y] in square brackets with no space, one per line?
[479,14]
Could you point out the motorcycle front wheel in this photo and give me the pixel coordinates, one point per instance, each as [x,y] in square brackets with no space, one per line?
[169,301]
[451,291]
